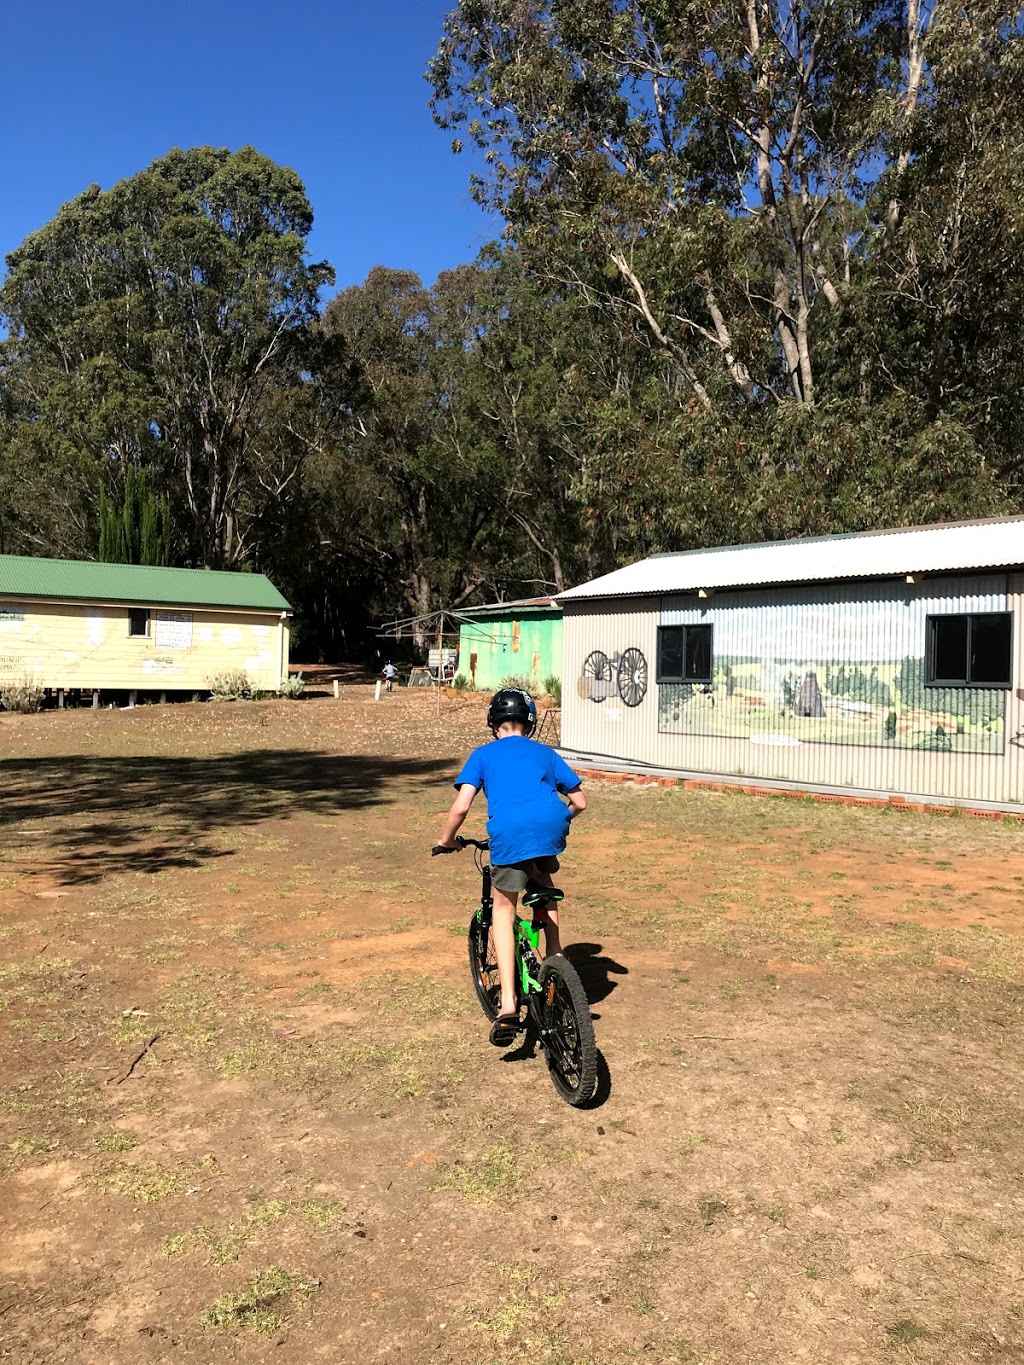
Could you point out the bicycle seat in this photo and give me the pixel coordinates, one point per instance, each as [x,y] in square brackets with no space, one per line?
[535,894]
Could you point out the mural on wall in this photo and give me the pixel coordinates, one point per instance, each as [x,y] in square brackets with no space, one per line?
[622,675]
[849,669]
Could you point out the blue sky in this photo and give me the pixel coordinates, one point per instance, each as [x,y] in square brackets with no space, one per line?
[95,92]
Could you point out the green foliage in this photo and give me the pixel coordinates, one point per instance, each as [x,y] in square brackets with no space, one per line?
[553,687]
[233,684]
[22,694]
[519,680]
[460,682]
[167,324]
[139,530]
[293,686]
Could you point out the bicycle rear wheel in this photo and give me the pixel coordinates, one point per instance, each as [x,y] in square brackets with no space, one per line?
[483,966]
[567,1031]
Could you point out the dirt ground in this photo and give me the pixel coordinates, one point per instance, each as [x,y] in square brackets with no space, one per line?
[248,1109]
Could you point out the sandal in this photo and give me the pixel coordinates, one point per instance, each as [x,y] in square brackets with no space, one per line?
[504,1029]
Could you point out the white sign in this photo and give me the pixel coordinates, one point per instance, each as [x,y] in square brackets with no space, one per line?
[173,630]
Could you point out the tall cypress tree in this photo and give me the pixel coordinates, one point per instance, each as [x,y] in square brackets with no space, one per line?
[138,530]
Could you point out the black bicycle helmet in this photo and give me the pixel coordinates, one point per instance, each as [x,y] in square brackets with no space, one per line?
[512,703]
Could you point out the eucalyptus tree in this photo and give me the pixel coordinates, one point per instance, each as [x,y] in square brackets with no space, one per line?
[155,324]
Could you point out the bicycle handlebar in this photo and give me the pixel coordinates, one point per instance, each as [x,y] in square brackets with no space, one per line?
[460,843]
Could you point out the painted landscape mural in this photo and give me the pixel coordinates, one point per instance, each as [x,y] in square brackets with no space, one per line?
[846,671]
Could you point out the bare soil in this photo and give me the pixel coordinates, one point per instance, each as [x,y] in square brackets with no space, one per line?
[248,1108]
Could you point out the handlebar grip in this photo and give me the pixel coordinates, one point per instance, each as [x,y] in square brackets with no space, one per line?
[440,848]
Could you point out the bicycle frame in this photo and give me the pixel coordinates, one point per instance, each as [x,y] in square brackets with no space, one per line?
[527,932]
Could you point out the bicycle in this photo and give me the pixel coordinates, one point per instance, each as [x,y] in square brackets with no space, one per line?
[556,1003]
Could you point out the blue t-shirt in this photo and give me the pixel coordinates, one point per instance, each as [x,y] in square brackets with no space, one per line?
[521,779]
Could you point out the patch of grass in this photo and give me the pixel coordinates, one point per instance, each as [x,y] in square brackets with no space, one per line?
[116,1142]
[906,1332]
[709,1208]
[322,1213]
[497,1173]
[31,1146]
[252,1308]
[642,1306]
[148,1183]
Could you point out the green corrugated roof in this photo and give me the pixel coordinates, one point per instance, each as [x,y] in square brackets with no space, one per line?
[84,580]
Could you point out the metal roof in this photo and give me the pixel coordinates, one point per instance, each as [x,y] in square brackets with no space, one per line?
[520,604]
[996,543]
[87,581]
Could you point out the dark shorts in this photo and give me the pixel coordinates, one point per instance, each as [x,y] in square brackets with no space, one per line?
[513,877]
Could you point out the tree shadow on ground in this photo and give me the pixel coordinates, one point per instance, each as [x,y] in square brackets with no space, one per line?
[148,814]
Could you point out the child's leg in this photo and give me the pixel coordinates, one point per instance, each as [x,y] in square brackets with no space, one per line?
[503,929]
[552,939]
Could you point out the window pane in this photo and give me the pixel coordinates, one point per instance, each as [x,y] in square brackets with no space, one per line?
[949,649]
[698,654]
[990,650]
[670,653]
[138,621]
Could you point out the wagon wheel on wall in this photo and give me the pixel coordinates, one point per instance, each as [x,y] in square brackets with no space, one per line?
[595,676]
[632,677]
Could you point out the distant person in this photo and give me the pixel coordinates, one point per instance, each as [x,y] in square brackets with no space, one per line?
[390,674]
[527,827]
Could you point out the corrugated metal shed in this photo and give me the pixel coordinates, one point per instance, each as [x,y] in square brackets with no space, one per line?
[86,581]
[996,543]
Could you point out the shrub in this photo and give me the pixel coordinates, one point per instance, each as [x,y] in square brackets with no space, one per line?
[292,686]
[460,682]
[553,687]
[231,685]
[21,694]
[517,680]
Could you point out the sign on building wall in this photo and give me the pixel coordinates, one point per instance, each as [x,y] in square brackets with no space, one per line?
[10,612]
[173,630]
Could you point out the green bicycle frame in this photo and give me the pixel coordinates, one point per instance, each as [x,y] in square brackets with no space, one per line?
[527,939]
[527,950]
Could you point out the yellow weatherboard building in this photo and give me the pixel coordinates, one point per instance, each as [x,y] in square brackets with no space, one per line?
[67,624]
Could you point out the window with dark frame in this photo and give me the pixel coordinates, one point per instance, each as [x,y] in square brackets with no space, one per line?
[685,654]
[970,651]
[138,621]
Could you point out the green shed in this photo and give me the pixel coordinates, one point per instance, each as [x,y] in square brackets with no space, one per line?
[511,639]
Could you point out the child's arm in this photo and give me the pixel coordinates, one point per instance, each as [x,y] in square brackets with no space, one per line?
[577,802]
[457,815]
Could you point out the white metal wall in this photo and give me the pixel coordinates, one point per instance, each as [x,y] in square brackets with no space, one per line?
[852,640]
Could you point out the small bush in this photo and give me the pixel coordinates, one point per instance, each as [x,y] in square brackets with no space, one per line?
[293,686]
[231,685]
[460,682]
[553,687]
[22,694]
[517,680]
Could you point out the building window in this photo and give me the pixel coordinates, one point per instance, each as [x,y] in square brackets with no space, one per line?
[684,654]
[138,621]
[969,651]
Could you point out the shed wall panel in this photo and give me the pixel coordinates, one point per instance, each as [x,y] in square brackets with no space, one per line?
[822,686]
[74,645]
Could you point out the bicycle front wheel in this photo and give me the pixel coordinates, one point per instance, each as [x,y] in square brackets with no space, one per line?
[567,1031]
[483,966]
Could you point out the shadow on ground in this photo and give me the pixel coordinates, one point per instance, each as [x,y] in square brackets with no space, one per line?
[146,814]
[595,969]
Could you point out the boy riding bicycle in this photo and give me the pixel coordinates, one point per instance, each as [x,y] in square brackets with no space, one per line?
[527,827]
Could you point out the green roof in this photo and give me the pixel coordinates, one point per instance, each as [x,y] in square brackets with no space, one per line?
[87,581]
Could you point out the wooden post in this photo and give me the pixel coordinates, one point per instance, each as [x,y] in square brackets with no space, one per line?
[163,698]
[95,698]
[60,699]
[337,690]
[131,700]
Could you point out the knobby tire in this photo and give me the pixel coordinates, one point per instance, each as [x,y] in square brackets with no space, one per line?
[483,971]
[570,1047]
